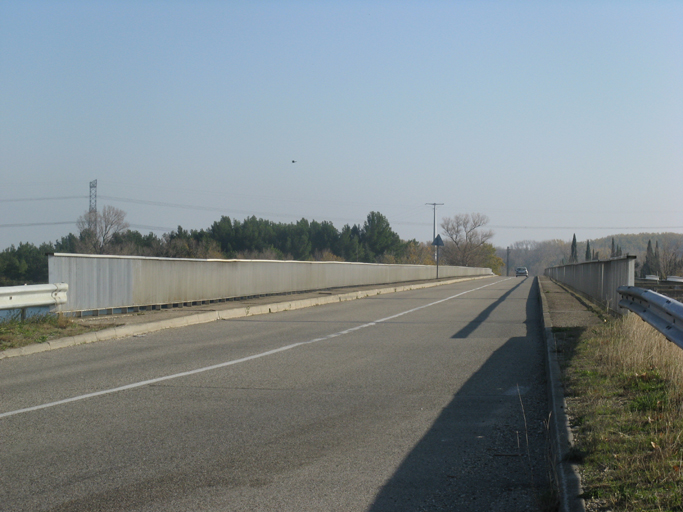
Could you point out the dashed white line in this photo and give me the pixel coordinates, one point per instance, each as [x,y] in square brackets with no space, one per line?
[234,361]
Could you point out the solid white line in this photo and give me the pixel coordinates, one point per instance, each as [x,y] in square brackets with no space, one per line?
[234,361]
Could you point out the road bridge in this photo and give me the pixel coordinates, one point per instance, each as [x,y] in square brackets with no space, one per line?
[430,399]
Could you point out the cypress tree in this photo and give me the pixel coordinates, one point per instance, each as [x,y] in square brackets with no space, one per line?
[574,256]
[588,250]
[647,267]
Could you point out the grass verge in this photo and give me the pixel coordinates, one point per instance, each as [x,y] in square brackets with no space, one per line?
[624,382]
[15,333]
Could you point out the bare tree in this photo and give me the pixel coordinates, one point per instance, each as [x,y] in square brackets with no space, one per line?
[466,238]
[96,229]
[537,256]
[669,261]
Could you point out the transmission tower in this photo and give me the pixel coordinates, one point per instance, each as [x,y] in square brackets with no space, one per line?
[93,196]
[92,211]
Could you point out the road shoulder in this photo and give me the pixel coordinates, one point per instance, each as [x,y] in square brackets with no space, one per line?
[562,310]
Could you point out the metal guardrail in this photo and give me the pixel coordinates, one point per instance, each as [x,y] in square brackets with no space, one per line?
[661,312]
[672,288]
[28,296]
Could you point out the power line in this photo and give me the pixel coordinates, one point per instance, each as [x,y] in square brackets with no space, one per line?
[162,228]
[41,199]
[172,205]
[224,211]
[434,205]
[223,195]
[587,227]
[151,228]
[29,224]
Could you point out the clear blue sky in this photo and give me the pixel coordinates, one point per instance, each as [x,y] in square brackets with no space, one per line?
[552,118]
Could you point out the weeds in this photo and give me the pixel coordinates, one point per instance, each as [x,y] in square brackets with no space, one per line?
[625,382]
[546,495]
[15,333]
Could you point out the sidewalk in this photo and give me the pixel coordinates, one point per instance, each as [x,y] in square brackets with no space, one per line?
[565,315]
[565,309]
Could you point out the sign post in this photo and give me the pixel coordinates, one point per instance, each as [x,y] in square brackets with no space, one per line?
[438,243]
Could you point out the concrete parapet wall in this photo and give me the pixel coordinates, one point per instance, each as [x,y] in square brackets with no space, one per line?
[598,280]
[110,282]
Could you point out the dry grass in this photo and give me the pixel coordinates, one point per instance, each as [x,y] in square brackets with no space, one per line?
[634,346]
[15,333]
[625,382]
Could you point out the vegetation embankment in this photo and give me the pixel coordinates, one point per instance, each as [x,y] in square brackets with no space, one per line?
[15,333]
[625,402]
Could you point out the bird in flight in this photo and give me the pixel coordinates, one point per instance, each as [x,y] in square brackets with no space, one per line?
[293,161]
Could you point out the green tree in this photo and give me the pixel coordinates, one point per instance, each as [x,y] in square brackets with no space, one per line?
[378,237]
[588,250]
[348,245]
[648,267]
[573,255]
[67,244]
[323,236]
[298,243]
[24,264]
[487,258]
[222,232]
[254,234]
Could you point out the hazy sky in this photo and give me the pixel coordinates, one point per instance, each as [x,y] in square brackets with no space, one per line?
[552,118]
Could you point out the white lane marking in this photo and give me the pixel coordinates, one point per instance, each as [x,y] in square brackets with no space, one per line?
[235,361]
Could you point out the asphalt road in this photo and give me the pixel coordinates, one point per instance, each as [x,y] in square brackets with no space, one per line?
[425,400]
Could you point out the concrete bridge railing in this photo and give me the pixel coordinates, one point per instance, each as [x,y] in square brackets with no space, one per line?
[598,280]
[108,283]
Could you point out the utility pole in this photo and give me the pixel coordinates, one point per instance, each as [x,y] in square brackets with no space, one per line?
[434,205]
[437,243]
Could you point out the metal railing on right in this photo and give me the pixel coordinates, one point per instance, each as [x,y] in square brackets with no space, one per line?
[671,287]
[661,312]
[598,280]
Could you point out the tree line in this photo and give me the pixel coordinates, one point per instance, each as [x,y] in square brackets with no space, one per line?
[665,259]
[374,241]
[107,232]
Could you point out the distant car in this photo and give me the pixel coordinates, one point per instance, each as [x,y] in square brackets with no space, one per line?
[521,271]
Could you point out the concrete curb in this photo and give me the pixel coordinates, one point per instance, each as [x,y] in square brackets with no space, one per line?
[126,331]
[568,478]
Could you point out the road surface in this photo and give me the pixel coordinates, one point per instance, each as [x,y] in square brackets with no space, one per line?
[425,400]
